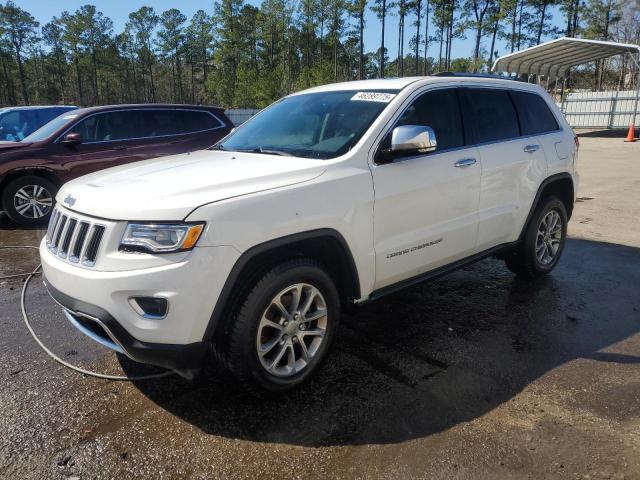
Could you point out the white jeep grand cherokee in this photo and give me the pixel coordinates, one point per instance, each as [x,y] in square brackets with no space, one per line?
[330,197]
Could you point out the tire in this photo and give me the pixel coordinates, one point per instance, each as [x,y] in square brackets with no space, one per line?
[530,259]
[17,196]
[251,329]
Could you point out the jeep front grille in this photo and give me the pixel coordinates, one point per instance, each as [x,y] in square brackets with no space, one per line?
[74,239]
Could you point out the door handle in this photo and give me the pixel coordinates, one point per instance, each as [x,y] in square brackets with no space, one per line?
[465,162]
[531,148]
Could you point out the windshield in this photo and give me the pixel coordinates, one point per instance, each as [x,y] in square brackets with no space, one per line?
[312,125]
[50,128]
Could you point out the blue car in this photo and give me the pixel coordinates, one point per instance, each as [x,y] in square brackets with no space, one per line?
[17,123]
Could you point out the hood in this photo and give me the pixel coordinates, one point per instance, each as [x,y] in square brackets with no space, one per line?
[6,145]
[169,188]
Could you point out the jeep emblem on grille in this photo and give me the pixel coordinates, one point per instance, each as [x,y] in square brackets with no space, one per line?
[69,200]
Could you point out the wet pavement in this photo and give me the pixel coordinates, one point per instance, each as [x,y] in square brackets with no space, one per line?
[477,375]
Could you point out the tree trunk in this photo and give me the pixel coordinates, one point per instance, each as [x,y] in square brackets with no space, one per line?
[520,23]
[567,31]
[450,34]
[153,85]
[193,83]
[494,33]
[8,80]
[335,59]
[96,94]
[76,64]
[476,50]
[384,14]
[401,40]
[574,26]
[541,25]
[441,42]
[23,80]
[514,22]
[179,75]
[361,56]
[426,38]
[417,49]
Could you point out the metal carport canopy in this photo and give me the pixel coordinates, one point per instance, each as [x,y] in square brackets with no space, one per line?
[554,58]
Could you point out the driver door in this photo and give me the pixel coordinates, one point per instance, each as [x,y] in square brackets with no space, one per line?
[426,205]
[106,142]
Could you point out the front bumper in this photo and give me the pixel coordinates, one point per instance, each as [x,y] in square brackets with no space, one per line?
[99,301]
[101,327]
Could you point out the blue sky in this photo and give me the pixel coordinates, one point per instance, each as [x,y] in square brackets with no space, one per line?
[118,10]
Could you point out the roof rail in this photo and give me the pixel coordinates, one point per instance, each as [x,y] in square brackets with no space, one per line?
[469,74]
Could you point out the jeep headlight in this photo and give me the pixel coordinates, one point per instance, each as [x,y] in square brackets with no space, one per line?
[160,237]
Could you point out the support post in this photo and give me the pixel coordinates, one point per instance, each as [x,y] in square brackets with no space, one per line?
[635,106]
[562,94]
[612,110]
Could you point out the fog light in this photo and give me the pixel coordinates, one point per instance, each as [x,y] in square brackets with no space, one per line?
[150,307]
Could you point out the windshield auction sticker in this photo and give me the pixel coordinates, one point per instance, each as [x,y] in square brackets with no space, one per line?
[374,96]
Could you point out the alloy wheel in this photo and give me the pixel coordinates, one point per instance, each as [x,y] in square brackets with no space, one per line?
[549,237]
[291,330]
[33,201]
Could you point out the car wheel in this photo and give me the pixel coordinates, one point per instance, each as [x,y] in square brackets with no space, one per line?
[283,328]
[544,240]
[29,200]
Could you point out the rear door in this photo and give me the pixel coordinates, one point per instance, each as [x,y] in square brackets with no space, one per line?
[512,165]
[425,213]
[170,131]
[537,120]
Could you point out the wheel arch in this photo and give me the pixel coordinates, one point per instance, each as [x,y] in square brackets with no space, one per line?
[326,245]
[560,185]
[43,172]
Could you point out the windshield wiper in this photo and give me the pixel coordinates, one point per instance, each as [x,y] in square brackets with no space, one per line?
[266,151]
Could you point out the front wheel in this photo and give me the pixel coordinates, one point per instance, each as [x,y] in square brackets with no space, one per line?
[543,242]
[28,200]
[283,328]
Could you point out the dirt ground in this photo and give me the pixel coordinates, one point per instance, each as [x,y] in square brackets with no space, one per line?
[477,375]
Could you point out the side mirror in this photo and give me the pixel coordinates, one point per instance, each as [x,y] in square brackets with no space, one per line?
[72,139]
[412,139]
[407,140]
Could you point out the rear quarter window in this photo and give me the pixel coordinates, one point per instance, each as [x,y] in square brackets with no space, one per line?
[534,113]
[190,121]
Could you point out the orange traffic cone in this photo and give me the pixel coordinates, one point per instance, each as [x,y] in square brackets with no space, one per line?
[631,135]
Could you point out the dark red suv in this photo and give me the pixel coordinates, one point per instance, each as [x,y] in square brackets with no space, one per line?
[90,139]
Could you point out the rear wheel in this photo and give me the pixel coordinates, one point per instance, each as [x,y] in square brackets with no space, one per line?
[29,200]
[283,328]
[543,242]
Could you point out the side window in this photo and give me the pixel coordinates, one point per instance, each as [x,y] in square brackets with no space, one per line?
[490,113]
[533,111]
[159,123]
[439,110]
[189,121]
[108,127]
[156,123]
[87,129]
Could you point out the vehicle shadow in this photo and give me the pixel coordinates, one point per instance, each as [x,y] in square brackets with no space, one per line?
[603,133]
[7,224]
[428,358]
